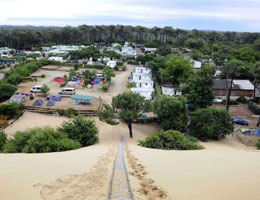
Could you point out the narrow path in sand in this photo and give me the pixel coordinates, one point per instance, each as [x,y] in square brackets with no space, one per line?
[119,184]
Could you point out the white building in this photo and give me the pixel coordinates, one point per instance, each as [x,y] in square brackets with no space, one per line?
[145,92]
[111,64]
[144,83]
[148,49]
[60,59]
[142,77]
[128,51]
[170,91]
[144,70]
[196,64]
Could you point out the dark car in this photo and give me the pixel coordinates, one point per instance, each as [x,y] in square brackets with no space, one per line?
[240,121]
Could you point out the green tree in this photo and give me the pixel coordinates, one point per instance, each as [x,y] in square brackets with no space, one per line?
[125,107]
[45,89]
[80,129]
[7,90]
[144,58]
[88,75]
[3,139]
[163,50]
[246,54]
[199,88]
[171,112]
[211,123]
[177,70]
[255,75]
[155,65]
[230,70]
[108,73]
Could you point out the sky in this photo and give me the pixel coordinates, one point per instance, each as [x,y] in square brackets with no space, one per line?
[219,15]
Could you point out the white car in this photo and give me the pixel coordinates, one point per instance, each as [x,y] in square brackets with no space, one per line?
[36,89]
[217,100]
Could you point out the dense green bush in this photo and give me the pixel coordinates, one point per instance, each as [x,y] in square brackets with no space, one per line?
[95,66]
[105,86]
[20,72]
[170,139]
[210,123]
[171,112]
[119,63]
[6,91]
[81,130]
[3,139]
[242,100]
[70,112]
[39,140]
[9,111]
[132,62]
[253,107]
[258,144]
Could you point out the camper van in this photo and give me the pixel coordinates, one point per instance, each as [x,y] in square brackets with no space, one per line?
[36,89]
[67,91]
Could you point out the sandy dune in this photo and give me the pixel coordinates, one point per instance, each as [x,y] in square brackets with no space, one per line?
[225,170]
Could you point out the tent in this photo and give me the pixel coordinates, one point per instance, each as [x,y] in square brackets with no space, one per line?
[51,102]
[72,84]
[50,98]
[58,98]
[38,102]
[18,98]
[256,132]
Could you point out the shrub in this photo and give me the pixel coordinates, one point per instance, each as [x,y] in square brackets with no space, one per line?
[123,68]
[11,110]
[63,84]
[38,140]
[142,120]
[49,140]
[132,62]
[131,85]
[43,76]
[105,86]
[3,139]
[119,63]
[3,123]
[31,97]
[82,130]
[210,123]
[253,107]
[70,112]
[242,100]
[258,144]
[7,90]
[170,139]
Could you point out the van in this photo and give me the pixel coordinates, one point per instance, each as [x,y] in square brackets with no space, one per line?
[36,89]
[67,91]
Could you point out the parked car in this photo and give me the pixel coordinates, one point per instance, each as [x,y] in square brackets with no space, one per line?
[238,120]
[217,100]
[36,89]
[67,91]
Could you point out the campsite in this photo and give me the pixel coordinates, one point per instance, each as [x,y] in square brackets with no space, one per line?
[124,112]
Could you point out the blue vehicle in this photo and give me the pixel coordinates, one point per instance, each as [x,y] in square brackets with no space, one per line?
[238,120]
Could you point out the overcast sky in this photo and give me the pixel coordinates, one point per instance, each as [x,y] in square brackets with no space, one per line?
[222,15]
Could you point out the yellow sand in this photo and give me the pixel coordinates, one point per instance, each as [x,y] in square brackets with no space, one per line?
[225,170]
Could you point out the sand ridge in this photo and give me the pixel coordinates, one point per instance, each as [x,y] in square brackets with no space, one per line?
[91,185]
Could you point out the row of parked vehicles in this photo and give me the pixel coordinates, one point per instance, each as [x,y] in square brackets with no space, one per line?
[64,91]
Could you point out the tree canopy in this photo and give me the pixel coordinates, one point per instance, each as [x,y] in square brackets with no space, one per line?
[125,107]
[171,112]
